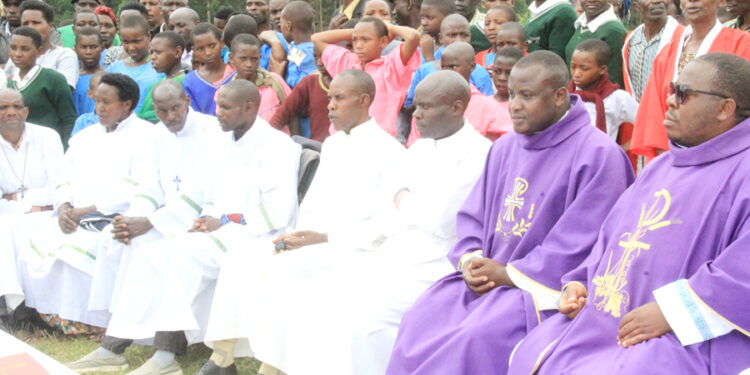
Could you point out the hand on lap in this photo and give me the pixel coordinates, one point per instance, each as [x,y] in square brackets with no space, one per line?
[573,299]
[644,323]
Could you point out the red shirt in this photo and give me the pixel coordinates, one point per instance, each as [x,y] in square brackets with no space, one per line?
[309,98]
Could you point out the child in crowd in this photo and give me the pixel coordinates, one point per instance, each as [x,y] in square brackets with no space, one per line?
[166,58]
[392,73]
[201,84]
[88,47]
[431,14]
[135,35]
[112,48]
[45,92]
[87,119]
[381,9]
[505,59]
[244,57]
[495,18]
[308,102]
[222,17]
[296,28]
[489,4]
[511,34]
[237,24]
[609,107]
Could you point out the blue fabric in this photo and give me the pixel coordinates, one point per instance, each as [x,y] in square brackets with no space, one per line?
[83,121]
[480,78]
[304,126]
[489,59]
[225,54]
[81,99]
[300,62]
[144,75]
[201,93]
[438,54]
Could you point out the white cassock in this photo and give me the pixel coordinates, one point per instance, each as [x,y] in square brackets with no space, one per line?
[29,171]
[186,162]
[345,196]
[169,284]
[101,169]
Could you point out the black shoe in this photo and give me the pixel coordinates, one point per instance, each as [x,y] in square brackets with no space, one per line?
[211,368]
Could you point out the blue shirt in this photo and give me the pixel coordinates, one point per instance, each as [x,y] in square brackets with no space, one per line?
[84,121]
[438,54]
[145,76]
[265,51]
[300,62]
[480,78]
[81,99]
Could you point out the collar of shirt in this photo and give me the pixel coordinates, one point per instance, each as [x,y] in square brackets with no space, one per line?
[21,83]
[535,12]
[606,16]
[259,126]
[189,127]
[124,123]
[349,11]
[639,37]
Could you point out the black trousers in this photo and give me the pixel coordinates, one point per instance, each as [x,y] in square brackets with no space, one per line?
[173,342]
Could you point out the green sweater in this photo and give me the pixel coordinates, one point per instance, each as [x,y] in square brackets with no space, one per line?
[613,33]
[69,38]
[50,102]
[147,109]
[552,30]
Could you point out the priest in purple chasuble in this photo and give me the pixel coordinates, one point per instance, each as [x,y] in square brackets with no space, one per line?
[533,216]
[667,285]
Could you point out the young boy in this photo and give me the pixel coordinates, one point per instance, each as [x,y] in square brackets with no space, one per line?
[201,84]
[45,92]
[309,103]
[166,58]
[608,106]
[135,35]
[431,14]
[511,34]
[296,28]
[88,47]
[244,58]
[392,73]
[87,119]
[505,59]
[495,18]
[221,17]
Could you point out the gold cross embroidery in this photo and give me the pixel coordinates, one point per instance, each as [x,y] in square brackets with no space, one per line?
[515,200]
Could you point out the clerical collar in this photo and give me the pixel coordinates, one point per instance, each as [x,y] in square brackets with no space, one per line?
[606,16]
[729,143]
[189,124]
[455,138]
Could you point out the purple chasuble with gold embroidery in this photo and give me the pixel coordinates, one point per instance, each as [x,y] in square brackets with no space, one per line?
[683,222]
[537,208]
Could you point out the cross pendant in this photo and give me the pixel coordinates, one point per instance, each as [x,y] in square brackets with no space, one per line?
[21,190]
[177,182]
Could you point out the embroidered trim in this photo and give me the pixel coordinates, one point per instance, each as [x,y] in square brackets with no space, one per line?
[267,218]
[191,203]
[78,249]
[131,181]
[692,308]
[148,198]
[218,243]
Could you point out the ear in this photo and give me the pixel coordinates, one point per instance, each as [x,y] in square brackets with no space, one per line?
[525,46]
[458,108]
[561,96]
[727,110]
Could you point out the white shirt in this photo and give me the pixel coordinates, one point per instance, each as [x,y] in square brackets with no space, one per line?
[619,107]
[259,180]
[108,169]
[35,165]
[606,16]
[61,59]
[347,190]
[186,161]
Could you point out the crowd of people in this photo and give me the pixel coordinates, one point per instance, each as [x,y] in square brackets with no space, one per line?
[424,187]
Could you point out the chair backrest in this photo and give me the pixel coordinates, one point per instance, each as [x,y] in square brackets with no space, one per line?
[308,165]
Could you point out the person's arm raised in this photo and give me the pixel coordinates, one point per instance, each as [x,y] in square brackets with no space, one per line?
[410,37]
[322,39]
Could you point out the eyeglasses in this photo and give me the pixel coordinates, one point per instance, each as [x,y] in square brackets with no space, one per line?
[681,92]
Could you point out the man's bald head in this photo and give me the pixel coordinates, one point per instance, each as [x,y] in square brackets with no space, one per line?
[440,101]
[359,81]
[300,14]
[349,98]
[168,88]
[243,91]
[13,111]
[184,13]
[551,68]
[459,57]
[171,104]
[237,106]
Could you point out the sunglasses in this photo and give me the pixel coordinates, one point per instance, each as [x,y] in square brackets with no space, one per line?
[681,92]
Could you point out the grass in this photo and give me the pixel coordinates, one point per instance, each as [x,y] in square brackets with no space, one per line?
[66,349]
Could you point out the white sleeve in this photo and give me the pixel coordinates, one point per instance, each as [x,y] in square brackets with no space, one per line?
[52,159]
[67,65]
[545,298]
[687,315]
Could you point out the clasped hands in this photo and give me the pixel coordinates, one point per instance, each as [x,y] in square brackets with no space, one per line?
[484,274]
[643,323]
[299,239]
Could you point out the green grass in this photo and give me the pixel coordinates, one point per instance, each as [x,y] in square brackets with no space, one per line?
[66,349]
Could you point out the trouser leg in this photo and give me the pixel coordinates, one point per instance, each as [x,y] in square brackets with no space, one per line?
[172,341]
[115,345]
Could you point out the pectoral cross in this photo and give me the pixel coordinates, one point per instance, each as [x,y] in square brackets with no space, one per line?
[21,190]
[177,182]
[515,200]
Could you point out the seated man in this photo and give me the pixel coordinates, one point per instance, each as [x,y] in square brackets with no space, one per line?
[551,180]
[105,163]
[483,112]
[668,269]
[354,335]
[344,197]
[33,158]
[169,284]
